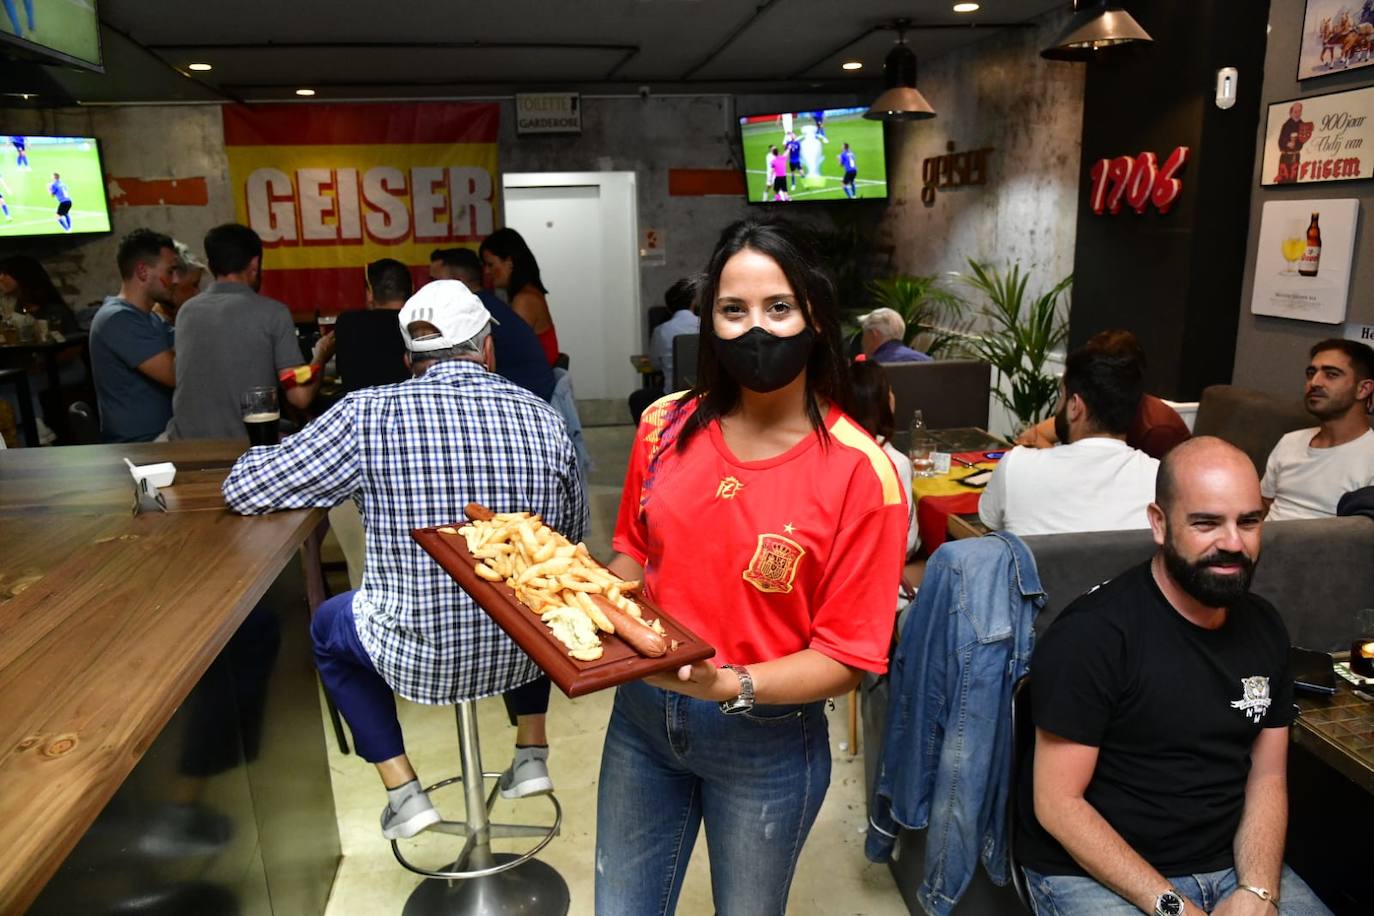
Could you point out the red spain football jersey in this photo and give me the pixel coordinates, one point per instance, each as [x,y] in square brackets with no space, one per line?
[766,558]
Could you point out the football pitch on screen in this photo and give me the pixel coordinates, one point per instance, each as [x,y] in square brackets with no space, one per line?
[68,26]
[864,137]
[33,211]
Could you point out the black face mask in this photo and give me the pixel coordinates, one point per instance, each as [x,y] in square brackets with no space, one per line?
[763,362]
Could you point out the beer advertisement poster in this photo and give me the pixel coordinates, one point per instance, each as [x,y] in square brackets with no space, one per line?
[1303,266]
[1337,35]
[1322,138]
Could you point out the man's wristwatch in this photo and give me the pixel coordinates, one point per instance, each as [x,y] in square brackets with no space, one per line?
[1261,893]
[745,701]
[1169,904]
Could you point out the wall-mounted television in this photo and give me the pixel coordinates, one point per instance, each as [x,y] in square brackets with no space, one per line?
[817,155]
[51,186]
[65,31]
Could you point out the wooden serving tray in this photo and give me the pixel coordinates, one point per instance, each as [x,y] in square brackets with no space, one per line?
[618,662]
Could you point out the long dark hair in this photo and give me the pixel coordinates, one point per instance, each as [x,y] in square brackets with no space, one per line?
[870,403]
[507,243]
[716,393]
[35,286]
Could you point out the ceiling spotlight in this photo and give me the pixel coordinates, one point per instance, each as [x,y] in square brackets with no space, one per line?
[901,100]
[966,7]
[1096,24]
[199,67]
[305,92]
[852,65]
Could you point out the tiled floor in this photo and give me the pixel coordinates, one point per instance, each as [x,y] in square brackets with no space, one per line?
[833,876]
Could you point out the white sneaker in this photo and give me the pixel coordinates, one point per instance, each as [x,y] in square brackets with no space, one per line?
[526,776]
[417,814]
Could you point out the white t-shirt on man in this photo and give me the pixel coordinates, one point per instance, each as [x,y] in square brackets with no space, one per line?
[1094,484]
[1307,482]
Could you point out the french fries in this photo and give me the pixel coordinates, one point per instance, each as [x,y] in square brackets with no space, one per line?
[550,575]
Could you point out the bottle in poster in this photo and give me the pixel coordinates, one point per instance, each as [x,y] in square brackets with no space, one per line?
[1312,255]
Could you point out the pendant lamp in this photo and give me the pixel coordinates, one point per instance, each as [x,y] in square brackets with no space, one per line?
[901,100]
[1096,24]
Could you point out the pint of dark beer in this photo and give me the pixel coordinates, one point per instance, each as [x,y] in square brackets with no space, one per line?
[260,415]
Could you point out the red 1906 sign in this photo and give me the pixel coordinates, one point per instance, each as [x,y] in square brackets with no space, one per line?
[1140,181]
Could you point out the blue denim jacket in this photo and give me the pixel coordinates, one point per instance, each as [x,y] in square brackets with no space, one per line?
[566,405]
[947,752]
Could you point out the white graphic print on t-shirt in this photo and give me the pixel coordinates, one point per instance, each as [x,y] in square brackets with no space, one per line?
[1254,701]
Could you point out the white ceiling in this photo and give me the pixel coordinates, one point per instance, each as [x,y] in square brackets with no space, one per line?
[265,49]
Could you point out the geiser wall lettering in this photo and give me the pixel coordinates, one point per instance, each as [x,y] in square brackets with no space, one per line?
[386,204]
[331,188]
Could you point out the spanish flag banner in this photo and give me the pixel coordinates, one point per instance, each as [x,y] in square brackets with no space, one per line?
[331,188]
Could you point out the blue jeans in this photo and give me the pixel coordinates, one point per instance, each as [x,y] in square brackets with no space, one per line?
[1070,895]
[362,695]
[671,763]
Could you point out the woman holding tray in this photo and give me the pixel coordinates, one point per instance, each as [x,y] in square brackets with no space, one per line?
[771,525]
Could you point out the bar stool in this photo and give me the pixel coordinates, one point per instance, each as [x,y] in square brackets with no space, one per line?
[481,882]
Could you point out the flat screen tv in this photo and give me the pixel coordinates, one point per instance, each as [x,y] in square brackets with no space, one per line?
[819,155]
[65,31]
[51,186]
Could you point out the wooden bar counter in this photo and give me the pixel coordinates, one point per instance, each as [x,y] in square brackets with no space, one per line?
[154,668]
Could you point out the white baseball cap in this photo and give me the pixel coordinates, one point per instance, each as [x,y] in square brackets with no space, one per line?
[451,307]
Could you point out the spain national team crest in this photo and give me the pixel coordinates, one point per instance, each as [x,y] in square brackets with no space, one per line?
[775,563]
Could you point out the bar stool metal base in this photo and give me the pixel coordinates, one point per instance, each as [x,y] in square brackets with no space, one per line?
[481,882]
[531,889]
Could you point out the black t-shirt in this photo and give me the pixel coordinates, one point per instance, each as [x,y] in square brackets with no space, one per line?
[369,349]
[1174,710]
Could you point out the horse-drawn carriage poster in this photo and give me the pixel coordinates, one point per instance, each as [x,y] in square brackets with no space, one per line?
[1337,35]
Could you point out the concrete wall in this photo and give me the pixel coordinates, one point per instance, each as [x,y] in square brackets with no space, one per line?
[998,93]
[1271,353]
[648,137]
[147,142]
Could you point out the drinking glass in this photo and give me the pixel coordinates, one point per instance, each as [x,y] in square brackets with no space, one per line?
[1292,244]
[260,415]
[921,451]
[1362,648]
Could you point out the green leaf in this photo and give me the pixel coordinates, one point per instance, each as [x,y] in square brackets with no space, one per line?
[1020,336]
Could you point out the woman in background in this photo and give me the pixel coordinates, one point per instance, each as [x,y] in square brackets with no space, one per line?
[34,293]
[510,265]
[871,405]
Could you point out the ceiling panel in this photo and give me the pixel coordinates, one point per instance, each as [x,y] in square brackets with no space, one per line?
[266,48]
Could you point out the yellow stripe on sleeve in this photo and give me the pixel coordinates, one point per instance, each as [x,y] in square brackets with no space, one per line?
[846,433]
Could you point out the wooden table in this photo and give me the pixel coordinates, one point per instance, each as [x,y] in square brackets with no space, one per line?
[1339,731]
[49,350]
[109,622]
[941,500]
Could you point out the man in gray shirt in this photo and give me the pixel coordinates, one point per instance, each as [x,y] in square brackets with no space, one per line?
[231,339]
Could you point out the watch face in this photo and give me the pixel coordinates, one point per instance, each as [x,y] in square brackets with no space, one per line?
[1169,904]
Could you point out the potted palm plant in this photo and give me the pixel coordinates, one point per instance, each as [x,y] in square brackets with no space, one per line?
[929,309]
[1018,336]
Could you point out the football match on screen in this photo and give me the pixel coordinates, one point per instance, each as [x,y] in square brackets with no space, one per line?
[51,186]
[831,154]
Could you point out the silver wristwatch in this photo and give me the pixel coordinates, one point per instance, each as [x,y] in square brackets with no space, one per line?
[745,701]
[1169,904]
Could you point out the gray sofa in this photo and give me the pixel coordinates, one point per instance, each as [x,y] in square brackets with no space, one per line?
[949,392]
[1317,573]
[1250,420]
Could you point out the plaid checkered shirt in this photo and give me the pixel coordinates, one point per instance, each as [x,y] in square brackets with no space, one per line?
[412,455]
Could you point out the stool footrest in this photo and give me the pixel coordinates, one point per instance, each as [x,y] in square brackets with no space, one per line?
[506,831]
[494,831]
